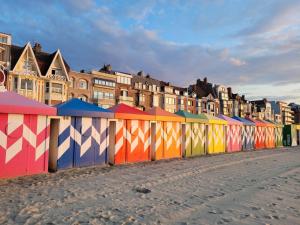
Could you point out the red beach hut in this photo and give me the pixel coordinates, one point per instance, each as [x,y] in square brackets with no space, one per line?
[130,135]
[24,135]
[260,133]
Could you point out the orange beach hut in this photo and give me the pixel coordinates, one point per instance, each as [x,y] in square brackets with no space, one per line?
[129,135]
[167,134]
[260,133]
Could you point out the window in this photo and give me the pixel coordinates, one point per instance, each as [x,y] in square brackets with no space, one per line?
[103,95]
[180,101]
[16,83]
[190,103]
[56,72]
[56,88]
[47,87]
[104,82]
[27,84]
[142,98]
[83,98]
[3,40]
[124,93]
[83,84]
[170,101]
[72,82]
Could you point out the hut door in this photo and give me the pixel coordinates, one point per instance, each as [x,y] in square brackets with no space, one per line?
[53,148]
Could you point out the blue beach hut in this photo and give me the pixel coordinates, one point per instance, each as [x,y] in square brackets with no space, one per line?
[79,137]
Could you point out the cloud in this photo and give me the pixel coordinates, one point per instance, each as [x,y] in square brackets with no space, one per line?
[94,34]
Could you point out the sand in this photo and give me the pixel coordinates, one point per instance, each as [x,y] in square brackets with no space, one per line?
[261,187]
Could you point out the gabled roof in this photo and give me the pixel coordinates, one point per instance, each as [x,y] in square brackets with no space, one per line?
[11,102]
[57,55]
[267,123]
[76,107]
[257,122]
[244,121]
[146,80]
[17,56]
[43,59]
[123,111]
[162,115]
[230,120]
[212,119]
[190,118]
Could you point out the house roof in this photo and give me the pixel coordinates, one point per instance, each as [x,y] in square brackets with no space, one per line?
[244,121]
[76,107]
[146,80]
[230,121]
[11,102]
[203,90]
[44,59]
[123,111]
[276,124]
[162,115]
[189,117]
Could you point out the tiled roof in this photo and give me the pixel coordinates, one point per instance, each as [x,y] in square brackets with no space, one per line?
[147,80]
[203,90]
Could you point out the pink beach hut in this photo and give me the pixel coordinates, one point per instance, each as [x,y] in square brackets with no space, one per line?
[233,134]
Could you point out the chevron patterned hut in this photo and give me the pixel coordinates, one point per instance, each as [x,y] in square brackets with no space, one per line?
[79,136]
[233,132]
[277,133]
[259,133]
[270,134]
[24,135]
[247,133]
[215,134]
[166,134]
[130,139]
[194,134]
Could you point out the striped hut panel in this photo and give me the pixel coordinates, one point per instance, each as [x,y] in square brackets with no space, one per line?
[210,143]
[103,141]
[177,138]
[218,135]
[198,139]
[229,138]
[132,141]
[147,140]
[120,142]
[188,139]
[13,156]
[170,144]
[65,144]
[159,140]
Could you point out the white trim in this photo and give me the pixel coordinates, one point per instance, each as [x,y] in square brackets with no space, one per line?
[28,46]
[58,54]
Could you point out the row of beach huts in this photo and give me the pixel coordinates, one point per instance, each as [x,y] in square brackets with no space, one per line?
[36,138]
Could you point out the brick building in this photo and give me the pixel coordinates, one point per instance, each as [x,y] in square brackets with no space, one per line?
[80,85]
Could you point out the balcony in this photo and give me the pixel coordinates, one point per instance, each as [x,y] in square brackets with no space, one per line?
[125,98]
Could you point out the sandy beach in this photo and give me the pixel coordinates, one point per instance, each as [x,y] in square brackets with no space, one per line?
[261,187]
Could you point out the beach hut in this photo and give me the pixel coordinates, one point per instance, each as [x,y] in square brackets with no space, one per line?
[130,139]
[215,134]
[259,134]
[278,133]
[270,134]
[290,135]
[24,135]
[167,134]
[79,136]
[234,131]
[247,134]
[194,134]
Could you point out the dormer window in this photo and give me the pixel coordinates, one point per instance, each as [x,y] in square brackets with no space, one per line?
[56,72]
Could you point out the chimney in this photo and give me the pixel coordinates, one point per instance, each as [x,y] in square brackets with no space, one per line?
[205,80]
[229,92]
[148,76]
[198,83]
[243,97]
[82,71]
[37,47]
[141,73]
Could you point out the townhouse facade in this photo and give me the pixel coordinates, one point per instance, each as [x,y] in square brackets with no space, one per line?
[80,86]
[5,48]
[207,98]
[222,93]
[264,109]
[282,112]
[38,75]
[124,90]
[296,109]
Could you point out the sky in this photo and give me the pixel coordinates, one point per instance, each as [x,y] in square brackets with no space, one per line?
[252,46]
